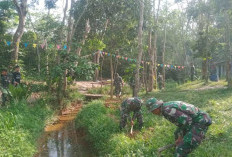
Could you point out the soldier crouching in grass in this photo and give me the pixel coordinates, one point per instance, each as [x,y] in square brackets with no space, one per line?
[131,105]
[192,123]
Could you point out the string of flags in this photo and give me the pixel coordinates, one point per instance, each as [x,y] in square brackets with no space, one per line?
[64,47]
[134,60]
[26,44]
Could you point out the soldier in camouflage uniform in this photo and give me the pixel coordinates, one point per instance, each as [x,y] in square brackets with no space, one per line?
[5,81]
[160,81]
[118,83]
[131,105]
[192,123]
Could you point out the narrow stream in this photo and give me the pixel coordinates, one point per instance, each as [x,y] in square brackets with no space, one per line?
[62,139]
[66,142]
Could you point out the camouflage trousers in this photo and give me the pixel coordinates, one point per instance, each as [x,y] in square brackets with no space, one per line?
[6,95]
[192,138]
[160,85]
[118,90]
[125,115]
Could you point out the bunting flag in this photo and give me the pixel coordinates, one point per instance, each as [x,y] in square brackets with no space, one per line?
[8,43]
[42,45]
[26,44]
[58,46]
[51,46]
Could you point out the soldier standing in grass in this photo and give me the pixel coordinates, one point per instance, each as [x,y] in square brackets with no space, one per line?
[192,71]
[131,105]
[192,123]
[5,81]
[118,83]
[16,76]
[160,81]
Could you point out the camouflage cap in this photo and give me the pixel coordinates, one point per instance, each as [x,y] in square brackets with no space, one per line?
[153,104]
[138,99]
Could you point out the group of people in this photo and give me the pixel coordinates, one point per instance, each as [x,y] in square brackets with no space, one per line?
[192,123]
[7,79]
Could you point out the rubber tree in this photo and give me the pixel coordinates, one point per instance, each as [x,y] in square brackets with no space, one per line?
[21,8]
[153,54]
[140,48]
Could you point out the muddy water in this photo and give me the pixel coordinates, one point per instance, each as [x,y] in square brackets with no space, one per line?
[66,142]
[61,139]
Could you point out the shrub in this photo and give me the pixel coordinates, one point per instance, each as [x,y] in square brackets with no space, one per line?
[20,92]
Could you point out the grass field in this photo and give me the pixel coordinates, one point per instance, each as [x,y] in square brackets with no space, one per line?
[101,124]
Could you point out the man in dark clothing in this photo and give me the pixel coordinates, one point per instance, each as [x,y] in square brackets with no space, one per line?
[131,105]
[16,76]
[5,81]
[192,123]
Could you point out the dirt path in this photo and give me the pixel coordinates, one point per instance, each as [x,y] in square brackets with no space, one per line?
[83,86]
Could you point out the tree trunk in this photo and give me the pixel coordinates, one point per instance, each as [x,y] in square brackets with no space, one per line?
[154,50]
[22,12]
[112,77]
[38,54]
[163,55]
[229,75]
[155,61]
[151,67]
[140,48]
[96,61]
[229,79]
[69,40]
[87,30]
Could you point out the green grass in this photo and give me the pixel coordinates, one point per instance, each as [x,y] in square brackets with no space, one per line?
[200,84]
[20,127]
[102,124]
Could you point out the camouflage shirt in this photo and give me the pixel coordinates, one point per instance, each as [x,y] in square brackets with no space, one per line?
[131,105]
[184,115]
[118,81]
[5,81]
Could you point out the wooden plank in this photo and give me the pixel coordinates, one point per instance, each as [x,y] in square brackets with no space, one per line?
[93,96]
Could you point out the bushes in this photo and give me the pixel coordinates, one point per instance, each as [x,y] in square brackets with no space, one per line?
[20,92]
[98,125]
[20,126]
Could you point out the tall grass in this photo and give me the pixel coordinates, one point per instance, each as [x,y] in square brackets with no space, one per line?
[20,126]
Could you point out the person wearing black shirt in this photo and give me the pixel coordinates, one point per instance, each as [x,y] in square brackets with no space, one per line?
[16,76]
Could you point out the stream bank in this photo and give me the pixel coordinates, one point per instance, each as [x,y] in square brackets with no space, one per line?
[62,139]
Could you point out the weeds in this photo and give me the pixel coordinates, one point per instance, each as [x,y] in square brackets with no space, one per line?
[20,126]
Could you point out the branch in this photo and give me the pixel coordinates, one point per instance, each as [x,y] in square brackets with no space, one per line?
[17,6]
[78,20]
